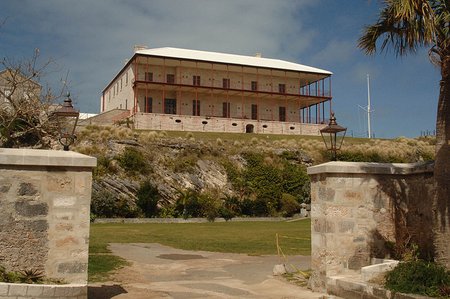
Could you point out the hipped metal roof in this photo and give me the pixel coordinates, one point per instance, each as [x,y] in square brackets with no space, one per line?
[231,59]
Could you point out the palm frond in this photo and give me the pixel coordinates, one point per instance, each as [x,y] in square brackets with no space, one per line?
[403,24]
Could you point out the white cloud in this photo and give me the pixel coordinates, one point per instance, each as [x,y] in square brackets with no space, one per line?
[94,37]
[335,51]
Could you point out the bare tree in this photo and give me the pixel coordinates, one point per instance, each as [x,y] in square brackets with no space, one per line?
[25,105]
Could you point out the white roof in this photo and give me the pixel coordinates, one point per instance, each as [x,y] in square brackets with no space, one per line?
[231,59]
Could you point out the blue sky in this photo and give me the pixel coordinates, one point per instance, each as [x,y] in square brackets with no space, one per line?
[90,40]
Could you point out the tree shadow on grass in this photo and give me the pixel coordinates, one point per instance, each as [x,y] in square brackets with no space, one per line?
[105,291]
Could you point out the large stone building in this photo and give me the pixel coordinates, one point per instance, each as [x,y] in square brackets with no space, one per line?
[15,86]
[189,90]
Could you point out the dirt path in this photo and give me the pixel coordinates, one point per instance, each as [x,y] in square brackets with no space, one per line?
[159,271]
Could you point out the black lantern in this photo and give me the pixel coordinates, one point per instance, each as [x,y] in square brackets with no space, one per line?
[333,136]
[67,118]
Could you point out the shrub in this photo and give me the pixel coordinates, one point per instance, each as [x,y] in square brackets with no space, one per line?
[188,204]
[419,277]
[226,213]
[295,181]
[132,160]
[147,199]
[103,203]
[246,207]
[104,165]
[108,205]
[168,211]
[289,205]
[210,207]
[261,207]
[185,162]
[231,204]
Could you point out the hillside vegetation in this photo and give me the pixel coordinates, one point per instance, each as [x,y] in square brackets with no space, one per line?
[194,174]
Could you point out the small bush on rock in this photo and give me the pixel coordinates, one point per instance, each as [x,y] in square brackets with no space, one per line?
[132,160]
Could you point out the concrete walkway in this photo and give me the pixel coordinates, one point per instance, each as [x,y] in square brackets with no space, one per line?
[159,271]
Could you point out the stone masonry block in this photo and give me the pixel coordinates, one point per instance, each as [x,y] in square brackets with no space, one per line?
[35,290]
[4,187]
[67,241]
[17,289]
[81,184]
[31,208]
[339,211]
[48,291]
[346,226]
[64,227]
[323,225]
[78,290]
[4,289]
[353,195]
[63,215]
[60,183]
[326,194]
[27,189]
[65,201]
[62,291]
[72,267]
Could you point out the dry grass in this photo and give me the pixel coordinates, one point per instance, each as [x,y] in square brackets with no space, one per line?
[401,149]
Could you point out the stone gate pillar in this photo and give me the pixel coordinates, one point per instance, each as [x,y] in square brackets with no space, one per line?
[45,212]
[361,211]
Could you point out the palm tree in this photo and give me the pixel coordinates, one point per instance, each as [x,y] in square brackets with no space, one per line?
[406,25]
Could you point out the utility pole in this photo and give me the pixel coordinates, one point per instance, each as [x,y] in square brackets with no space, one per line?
[368,107]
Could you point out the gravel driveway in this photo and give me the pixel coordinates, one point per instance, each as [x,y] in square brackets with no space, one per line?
[159,271]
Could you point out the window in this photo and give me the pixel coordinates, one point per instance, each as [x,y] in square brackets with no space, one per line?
[148,76]
[126,78]
[254,85]
[170,106]
[226,83]
[226,109]
[120,83]
[148,105]
[196,80]
[170,78]
[282,113]
[282,88]
[254,111]
[196,107]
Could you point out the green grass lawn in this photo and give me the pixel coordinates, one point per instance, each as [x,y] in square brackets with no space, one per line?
[253,238]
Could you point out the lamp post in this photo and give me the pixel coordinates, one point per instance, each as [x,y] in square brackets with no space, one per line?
[67,119]
[333,136]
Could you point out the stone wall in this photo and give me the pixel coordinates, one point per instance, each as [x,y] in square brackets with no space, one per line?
[154,121]
[367,210]
[44,212]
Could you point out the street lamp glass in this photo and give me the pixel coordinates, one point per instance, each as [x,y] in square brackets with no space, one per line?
[333,136]
[67,119]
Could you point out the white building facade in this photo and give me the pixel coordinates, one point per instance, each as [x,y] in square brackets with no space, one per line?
[189,90]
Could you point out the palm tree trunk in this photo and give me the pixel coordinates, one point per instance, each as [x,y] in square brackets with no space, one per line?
[442,170]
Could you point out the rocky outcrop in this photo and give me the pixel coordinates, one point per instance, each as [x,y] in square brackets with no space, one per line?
[174,164]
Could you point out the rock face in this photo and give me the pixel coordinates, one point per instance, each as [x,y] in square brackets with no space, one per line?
[173,164]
